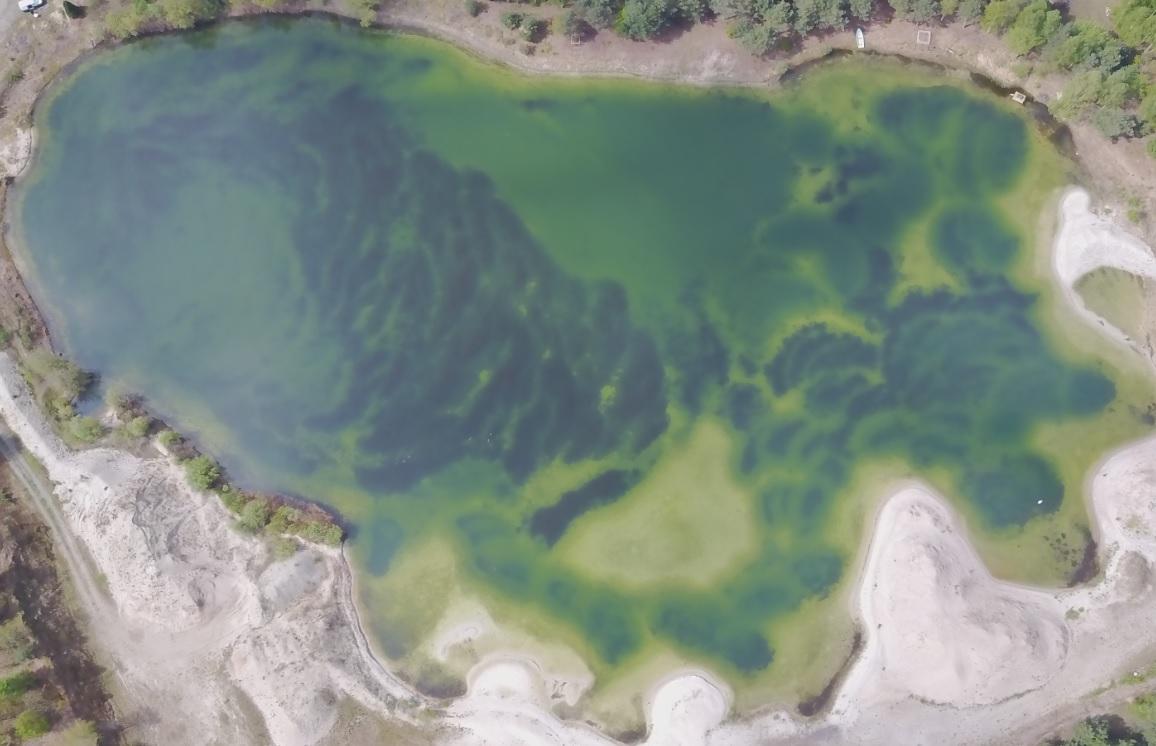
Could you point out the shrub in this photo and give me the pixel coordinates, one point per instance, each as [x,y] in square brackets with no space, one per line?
[31,724]
[284,519]
[168,438]
[643,19]
[1151,146]
[365,11]
[80,733]
[475,7]
[233,498]
[125,21]
[16,685]
[512,20]
[1116,123]
[283,547]
[1032,28]
[254,516]
[1001,14]
[320,532]
[203,472]
[138,427]
[534,29]
[85,429]
[15,640]
[598,13]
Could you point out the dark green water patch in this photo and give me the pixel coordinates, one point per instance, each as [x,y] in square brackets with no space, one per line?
[500,313]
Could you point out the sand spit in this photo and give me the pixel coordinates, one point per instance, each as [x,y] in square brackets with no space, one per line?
[213,641]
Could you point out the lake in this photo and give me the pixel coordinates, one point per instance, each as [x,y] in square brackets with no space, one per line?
[629,363]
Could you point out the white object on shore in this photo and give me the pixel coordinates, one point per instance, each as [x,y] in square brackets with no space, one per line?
[923,38]
[1019,97]
[860,41]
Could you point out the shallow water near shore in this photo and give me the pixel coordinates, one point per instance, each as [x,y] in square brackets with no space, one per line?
[614,357]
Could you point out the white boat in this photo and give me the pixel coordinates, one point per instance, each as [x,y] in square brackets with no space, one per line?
[860,41]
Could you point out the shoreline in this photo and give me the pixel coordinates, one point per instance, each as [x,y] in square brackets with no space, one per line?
[674,690]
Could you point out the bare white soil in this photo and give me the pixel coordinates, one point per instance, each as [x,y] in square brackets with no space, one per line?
[214,642]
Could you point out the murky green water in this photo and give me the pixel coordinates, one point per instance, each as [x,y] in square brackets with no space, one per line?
[622,349]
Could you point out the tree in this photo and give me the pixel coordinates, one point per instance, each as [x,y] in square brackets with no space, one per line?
[598,13]
[1148,108]
[182,14]
[862,9]
[1032,28]
[574,24]
[1086,46]
[254,516]
[85,429]
[1116,123]
[534,29]
[814,14]
[138,427]
[1001,14]
[948,8]
[1080,93]
[124,22]
[924,11]
[1135,22]
[644,19]
[971,11]
[512,20]
[1122,87]
[203,472]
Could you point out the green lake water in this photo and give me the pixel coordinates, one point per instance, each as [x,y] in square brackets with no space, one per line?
[618,354]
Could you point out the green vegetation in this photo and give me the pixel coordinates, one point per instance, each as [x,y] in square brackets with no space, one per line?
[138,427]
[16,685]
[474,7]
[85,429]
[57,383]
[254,516]
[203,472]
[31,724]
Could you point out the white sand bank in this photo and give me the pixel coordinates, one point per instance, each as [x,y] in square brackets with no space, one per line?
[215,643]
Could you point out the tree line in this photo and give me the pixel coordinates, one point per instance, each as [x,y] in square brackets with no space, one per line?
[1112,72]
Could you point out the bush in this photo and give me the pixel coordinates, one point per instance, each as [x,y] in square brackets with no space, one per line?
[125,21]
[643,19]
[1086,46]
[1114,123]
[283,547]
[15,640]
[365,11]
[233,499]
[475,7]
[254,516]
[203,472]
[1001,14]
[138,427]
[16,686]
[598,13]
[320,532]
[85,429]
[1151,146]
[31,724]
[512,20]
[1033,27]
[534,29]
